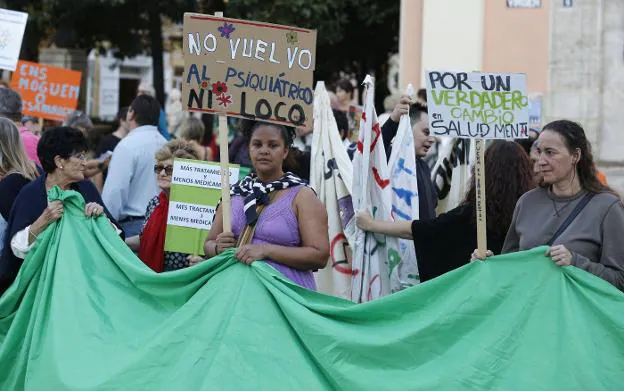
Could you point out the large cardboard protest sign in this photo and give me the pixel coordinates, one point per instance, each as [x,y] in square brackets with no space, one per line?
[12,26]
[47,92]
[248,69]
[478,105]
[193,198]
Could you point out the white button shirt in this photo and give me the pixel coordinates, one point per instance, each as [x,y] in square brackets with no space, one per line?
[131,182]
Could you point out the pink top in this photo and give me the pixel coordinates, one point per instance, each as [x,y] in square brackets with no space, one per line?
[30,144]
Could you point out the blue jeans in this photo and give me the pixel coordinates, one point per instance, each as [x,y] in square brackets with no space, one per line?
[132,227]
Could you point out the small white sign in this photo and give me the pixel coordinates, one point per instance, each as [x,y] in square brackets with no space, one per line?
[12,26]
[200,174]
[183,214]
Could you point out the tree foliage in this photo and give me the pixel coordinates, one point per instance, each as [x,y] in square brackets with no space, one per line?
[354,36]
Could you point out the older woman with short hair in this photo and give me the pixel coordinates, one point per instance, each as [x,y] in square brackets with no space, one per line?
[150,243]
[61,153]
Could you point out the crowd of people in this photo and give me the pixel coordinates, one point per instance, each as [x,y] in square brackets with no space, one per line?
[541,191]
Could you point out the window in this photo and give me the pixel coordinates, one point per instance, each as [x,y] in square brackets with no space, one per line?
[524,3]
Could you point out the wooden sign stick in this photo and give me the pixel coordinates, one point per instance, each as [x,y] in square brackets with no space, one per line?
[226,205]
[480,193]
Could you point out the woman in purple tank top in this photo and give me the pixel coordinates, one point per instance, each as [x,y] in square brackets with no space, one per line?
[291,231]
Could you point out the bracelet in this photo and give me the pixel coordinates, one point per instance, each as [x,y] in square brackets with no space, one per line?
[32,234]
[215,249]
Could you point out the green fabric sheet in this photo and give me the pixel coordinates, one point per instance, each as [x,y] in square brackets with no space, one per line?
[86,314]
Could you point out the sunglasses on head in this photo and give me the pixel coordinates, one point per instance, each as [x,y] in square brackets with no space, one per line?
[158,168]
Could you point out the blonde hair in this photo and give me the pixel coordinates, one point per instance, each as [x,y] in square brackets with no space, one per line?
[13,158]
[192,129]
[176,149]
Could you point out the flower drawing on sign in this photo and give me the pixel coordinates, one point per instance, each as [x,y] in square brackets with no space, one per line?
[226,30]
[292,37]
[224,100]
[219,88]
[205,84]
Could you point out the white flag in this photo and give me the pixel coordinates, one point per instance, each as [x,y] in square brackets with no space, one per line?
[374,255]
[452,172]
[331,176]
[405,201]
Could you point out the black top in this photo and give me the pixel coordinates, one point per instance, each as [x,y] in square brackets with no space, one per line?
[10,187]
[303,162]
[107,143]
[29,205]
[447,242]
[428,196]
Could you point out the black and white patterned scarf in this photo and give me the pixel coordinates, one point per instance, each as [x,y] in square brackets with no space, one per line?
[256,192]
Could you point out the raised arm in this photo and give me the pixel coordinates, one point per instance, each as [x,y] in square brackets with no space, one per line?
[399,229]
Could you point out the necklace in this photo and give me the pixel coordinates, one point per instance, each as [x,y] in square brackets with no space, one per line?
[558,211]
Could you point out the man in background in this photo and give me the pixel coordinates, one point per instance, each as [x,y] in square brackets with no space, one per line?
[148,89]
[11,108]
[131,183]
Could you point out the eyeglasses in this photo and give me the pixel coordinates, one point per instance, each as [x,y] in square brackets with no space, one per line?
[158,168]
[80,156]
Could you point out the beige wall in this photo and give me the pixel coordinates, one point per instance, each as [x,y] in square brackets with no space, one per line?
[410,42]
[517,40]
[452,37]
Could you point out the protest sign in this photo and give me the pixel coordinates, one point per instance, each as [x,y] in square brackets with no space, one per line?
[47,92]
[478,105]
[248,69]
[195,193]
[12,25]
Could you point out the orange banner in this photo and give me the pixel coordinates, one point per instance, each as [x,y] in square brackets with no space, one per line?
[47,92]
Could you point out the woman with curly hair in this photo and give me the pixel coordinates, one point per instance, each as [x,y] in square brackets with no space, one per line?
[150,243]
[447,241]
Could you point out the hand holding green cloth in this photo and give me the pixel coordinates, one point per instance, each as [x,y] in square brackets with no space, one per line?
[86,314]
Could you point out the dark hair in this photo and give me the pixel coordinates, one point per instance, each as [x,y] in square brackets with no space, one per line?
[346,86]
[10,104]
[208,121]
[422,94]
[527,143]
[342,121]
[248,128]
[508,175]
[60,141]
[574,138]
[146,110]
[123,114]
[416,111]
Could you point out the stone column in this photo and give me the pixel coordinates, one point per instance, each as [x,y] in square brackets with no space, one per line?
[575,66]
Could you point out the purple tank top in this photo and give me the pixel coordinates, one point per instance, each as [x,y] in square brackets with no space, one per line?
[277,225]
